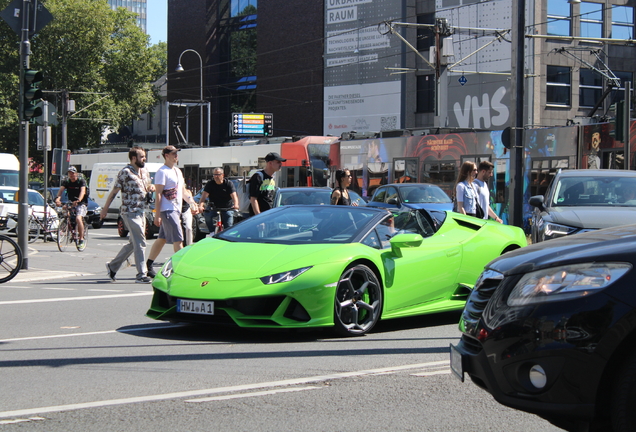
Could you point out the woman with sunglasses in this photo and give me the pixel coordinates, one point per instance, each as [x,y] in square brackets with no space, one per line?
[340,195]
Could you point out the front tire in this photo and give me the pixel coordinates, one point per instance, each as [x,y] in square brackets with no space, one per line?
[358,302]
[10,259]
[624,396]
[63,235]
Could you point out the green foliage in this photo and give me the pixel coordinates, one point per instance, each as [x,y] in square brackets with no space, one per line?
[99,55]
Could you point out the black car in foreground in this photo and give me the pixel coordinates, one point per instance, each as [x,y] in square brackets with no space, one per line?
[551,329]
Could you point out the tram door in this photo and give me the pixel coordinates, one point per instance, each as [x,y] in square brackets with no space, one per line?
[293,176]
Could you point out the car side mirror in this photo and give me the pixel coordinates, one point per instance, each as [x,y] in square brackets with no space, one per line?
[537,201]
[406,240]
[393,201]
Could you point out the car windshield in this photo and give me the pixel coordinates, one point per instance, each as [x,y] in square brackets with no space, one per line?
[303,225]
[298,197]
[10,196]
[582,191]
[424,194]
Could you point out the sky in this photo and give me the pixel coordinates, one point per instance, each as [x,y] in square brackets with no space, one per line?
[157,20]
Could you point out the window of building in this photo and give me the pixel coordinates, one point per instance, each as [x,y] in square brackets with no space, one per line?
[591,20]
[559,18]
[425,93]
[622,22]
[590,87]
[619,93]
[243,7]
[425,35]
[558,86]
[149,118]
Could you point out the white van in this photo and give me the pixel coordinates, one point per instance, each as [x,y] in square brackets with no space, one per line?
[103,178]
[9,170]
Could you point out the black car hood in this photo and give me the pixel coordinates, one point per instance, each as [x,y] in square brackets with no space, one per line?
[590,217]
[610,244]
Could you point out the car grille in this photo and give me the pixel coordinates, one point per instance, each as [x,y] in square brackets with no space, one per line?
[485,287]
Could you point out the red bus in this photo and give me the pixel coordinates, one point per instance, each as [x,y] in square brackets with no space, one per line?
[311,161]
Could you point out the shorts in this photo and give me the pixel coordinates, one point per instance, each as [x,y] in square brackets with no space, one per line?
[170,229]
[81,209]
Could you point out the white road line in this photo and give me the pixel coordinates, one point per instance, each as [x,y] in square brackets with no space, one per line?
[253,394]
[132,330]
[60,289]
[40,276]
[194,393]
[16,286]
[105,290]
[439,372]
[60,299]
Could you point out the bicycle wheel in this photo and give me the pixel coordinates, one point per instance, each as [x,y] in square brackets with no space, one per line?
[51,231]
[34,229]
[10,259]
[77,242]
[63,236]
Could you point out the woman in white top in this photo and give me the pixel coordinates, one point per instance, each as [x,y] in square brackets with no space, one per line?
[465,194]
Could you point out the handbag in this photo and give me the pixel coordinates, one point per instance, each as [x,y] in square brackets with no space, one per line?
[479,214]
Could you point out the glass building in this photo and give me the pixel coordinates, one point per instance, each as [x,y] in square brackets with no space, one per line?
[137,6]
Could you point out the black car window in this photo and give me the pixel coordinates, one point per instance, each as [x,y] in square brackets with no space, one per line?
[414,222]
[379,195]
[391,193]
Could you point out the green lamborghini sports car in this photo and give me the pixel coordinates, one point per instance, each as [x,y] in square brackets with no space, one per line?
[330,266]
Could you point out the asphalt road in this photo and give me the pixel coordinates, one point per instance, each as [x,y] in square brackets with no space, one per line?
[78,354]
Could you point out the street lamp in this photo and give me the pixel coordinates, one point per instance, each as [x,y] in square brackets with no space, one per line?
[180,69]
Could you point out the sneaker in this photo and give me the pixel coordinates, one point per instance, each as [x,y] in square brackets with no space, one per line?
[151,273]
[144,280]
[81,244]
[111,274]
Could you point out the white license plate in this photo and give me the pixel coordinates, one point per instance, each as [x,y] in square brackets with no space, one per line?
[456,363]
[195,307]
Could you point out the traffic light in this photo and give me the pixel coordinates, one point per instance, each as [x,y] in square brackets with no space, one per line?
[32,94]
[619,128]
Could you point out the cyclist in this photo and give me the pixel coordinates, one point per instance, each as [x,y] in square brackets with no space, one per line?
[75,186]
[222,194]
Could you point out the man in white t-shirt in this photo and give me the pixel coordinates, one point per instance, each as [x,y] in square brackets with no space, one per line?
[484,172]
[169,192]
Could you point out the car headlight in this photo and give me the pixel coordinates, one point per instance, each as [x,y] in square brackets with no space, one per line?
[567,282]
[166,270]
[284,276]
[555,230]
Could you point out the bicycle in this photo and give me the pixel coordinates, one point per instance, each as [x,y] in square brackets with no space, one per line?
[67,231]
[37,227]
[10,259]
[217,220]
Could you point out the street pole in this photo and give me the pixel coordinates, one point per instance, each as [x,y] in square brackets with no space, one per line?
[201,102]
[626,131]
[517,90]
[23,208]
[64,121]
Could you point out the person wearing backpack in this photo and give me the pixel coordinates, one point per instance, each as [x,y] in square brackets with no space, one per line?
[263,185]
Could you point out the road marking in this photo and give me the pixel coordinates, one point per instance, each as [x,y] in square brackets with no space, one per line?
[439,372]
[253,394]
[106,290]
[60,289]
[47,275]
[194,393]
[17,287]
[30,419]
[132,330]
[13,302]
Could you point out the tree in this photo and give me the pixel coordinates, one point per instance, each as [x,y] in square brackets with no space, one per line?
[99,55]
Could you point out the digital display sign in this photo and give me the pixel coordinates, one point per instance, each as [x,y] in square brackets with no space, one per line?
[252,124]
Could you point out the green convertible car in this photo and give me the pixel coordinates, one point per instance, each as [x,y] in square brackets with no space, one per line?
[330,266]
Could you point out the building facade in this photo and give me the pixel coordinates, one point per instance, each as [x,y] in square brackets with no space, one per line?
[137,6]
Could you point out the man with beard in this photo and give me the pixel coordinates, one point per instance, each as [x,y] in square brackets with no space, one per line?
[134,183]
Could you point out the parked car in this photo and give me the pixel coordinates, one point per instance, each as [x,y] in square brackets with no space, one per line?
[550,329]
[411,196]
[310,195]
[93,209]
[582,200]
[9,205]
[341,267]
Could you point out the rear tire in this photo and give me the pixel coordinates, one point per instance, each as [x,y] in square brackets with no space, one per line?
[358,302]
[10,259]
[121,228]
